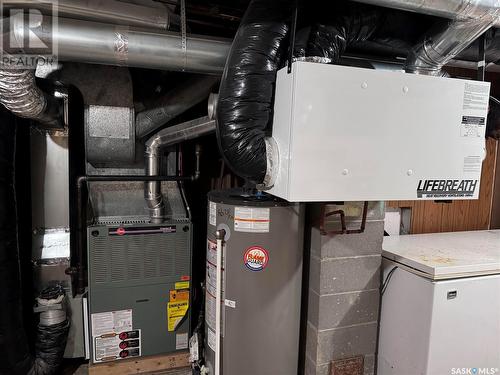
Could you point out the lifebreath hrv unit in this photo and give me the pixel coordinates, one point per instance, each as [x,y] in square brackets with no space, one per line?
[347,134]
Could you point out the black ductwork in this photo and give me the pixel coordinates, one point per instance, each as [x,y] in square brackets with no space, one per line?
[15,356]
[245,107]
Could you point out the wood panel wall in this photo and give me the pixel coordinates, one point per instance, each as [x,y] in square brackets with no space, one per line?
[432,217]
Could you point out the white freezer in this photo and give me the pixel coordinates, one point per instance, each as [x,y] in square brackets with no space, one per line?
[440,311]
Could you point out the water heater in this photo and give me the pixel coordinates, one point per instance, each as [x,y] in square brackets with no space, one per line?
[261,284]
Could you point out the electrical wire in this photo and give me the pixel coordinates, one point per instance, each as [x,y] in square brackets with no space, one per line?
[492,98]
[387,279]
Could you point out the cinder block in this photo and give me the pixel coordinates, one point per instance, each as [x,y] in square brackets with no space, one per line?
[313,308]
[311,342]
[339,310]
[370,364]
[314,274]
[346,245]
[347,341]
[338,275]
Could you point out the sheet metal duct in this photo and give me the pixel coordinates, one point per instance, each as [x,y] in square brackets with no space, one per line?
[148,14]
[441,8]
[99,43]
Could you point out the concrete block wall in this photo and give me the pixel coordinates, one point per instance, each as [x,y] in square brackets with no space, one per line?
[344,281]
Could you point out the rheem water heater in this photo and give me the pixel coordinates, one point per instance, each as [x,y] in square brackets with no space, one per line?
[260,291]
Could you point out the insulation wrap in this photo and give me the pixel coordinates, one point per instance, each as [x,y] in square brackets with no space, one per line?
[245,106]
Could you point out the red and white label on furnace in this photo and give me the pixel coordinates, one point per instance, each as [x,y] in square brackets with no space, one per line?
[256,258]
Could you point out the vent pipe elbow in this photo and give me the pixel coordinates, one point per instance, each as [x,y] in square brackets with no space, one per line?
[168,137]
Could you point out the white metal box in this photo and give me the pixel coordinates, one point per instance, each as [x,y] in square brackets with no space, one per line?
[346,134]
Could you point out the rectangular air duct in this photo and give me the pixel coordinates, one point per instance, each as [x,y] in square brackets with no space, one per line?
[347,134]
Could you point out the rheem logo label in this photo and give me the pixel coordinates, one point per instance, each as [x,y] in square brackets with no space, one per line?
[256,258]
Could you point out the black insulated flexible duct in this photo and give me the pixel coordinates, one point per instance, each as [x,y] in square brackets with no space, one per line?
[245,106]
[244,109]
[15,357]
[353,25]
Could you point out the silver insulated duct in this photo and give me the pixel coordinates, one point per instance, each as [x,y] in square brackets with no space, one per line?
[446,41]
[19,93]
[440,8]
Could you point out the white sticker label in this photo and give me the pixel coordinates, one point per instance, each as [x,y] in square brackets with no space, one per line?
[210,311]
[211,339]
[111,347]
[181,341]
[213,214]
[251,219]
[475,109]
[472,164]
[111,322]
[230,303]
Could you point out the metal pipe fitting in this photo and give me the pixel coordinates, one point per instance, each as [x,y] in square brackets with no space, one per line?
[174,103]
[168,137]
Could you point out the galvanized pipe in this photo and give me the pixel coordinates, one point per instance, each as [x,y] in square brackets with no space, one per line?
[99,43]
[148,14]
[164,138]
[174,103]
[441,8]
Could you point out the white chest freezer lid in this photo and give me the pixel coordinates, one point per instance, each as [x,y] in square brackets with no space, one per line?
[446,255]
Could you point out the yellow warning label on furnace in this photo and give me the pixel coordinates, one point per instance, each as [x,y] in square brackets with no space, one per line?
[175,312]
[182,285]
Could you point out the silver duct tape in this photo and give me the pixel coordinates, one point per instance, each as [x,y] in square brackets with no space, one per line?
[19,93]
[121,45]
[314,59]
[272,165]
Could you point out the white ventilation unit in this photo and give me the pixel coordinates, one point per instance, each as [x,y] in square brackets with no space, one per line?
[346,134]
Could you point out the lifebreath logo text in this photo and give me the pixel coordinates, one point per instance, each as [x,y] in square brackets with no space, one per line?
[27,34]
[442,189]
